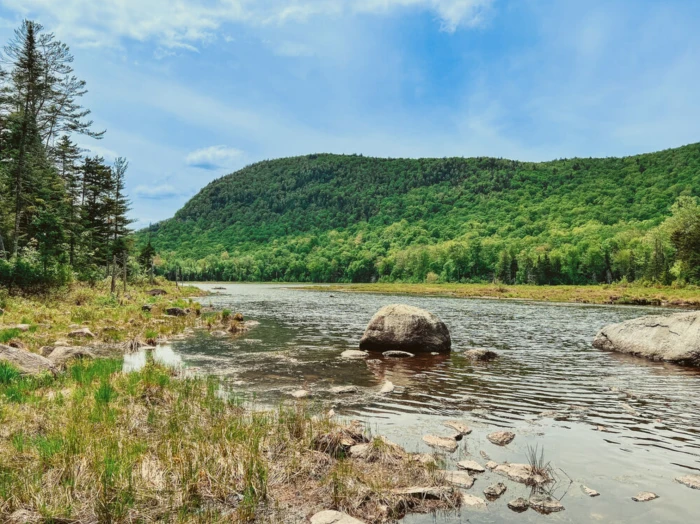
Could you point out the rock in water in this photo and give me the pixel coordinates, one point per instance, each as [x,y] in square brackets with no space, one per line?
[519,505]
[545,504]
[672,338]
[353,353]
[333,517]
[406,328]
[482,355]
[24,361]
[495,490]
[473,502]
[501,438]
[471,465]
[460,479]
[692,481]
[446,443]
[645,496]
[387,387]
[590,492]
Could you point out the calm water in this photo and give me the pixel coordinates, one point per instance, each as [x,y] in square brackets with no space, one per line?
[550,386]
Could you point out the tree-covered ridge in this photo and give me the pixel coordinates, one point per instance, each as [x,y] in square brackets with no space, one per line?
[353,218]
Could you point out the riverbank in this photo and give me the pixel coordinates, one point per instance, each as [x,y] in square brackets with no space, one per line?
[95,317]
[615,294]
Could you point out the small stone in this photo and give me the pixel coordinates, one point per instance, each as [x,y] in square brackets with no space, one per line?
[447,443]
[645,496]
[398,354]
[354,353]
[590,492]
[692,481]
[473,502]
[343,390]
[388,387]
[333,517]
[519,505]
[176,312]
[495,490]
[545,504]
[360,451]
[302,393]
[501,438]
[491,465]
[462,429]
[521,473]
[147,308]
[482,355]
[81,333]
[458,478]
[471,465]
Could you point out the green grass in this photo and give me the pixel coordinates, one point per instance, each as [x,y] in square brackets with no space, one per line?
[8,334]
[8,373]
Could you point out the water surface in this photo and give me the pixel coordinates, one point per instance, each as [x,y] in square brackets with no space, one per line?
[615,423]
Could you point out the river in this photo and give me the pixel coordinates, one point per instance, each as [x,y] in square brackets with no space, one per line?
[614,423]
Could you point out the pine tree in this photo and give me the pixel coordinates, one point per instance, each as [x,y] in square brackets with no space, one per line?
[67,158]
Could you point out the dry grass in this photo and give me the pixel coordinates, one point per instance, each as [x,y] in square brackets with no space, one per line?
[97,445]
[114,319]
[599,294]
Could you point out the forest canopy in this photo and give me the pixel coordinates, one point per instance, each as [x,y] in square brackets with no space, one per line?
[340,218]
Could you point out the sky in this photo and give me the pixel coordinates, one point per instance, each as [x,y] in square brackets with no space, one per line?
[191,90]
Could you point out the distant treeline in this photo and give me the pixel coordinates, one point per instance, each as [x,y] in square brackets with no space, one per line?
[333,218]
[63,214]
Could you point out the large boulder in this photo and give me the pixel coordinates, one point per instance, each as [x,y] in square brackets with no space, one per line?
[25,361]
[406,328]
[672,338]
[62,355]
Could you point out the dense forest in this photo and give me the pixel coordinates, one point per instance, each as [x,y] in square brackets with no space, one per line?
[333,218]
[63,214]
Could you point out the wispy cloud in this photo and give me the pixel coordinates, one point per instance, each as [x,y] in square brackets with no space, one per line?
[214,157]
[159,192]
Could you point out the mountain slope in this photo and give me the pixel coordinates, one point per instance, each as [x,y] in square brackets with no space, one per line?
[285,219]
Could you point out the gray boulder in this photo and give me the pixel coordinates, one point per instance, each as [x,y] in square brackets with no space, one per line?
[672,338]
[62,355]
[25,361]
[406,328]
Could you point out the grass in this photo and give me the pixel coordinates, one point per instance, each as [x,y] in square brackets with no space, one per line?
[93,444]
[599,294]
[114,319]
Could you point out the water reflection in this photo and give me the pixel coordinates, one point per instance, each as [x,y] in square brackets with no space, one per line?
[162,354]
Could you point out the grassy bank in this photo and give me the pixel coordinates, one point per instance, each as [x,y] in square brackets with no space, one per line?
[94,444]
[601,294]
[33,321]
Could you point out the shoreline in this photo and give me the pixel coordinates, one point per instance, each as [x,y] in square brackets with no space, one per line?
[608,295]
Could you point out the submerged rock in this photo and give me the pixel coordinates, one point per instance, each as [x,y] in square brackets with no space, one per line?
[471,501]
[519,505]
[482,355]
[344,390]
[398,354]
[545,504]
[354,353]
[460,479]
[26,362]
[446,443]
[501,438]
[672,338]
[495,490]
[590,492]
[645,496]
[333,517]
[692,481]
[520,473]
[406,328]
[388,387]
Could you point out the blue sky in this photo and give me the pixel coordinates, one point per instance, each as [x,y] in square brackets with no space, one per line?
[190,90]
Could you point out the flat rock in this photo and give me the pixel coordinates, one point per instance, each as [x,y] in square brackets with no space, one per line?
[590,492]
[482,355]
[406,328]
[81,333]
[344,390]
[491,465]
[471,465]
[645,496]
[428,493]
[354,353]
[520,473]
[398,354]
[692,481]
[462,429]
[446,443]
[495,490]
[501,438]
[519,505]
[545,504]
[387,387]
[301,393]
[25,361]
[460,479]
[671,338]
[333,517]
[62,355]
[471,501]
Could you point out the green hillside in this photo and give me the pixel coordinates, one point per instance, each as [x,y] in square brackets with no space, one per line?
[353,218]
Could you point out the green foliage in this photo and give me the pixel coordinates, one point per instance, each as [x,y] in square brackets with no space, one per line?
[335,218]
[8,334]
[8,373]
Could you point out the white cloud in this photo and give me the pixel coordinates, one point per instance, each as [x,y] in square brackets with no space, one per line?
[158,192]
[214,157]
[185,23]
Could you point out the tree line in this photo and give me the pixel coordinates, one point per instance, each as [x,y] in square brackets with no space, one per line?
[64,213]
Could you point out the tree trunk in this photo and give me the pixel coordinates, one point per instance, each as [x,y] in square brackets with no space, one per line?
[114,274]
[126,258]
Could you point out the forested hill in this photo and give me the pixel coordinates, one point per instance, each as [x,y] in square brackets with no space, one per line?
[353,218]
